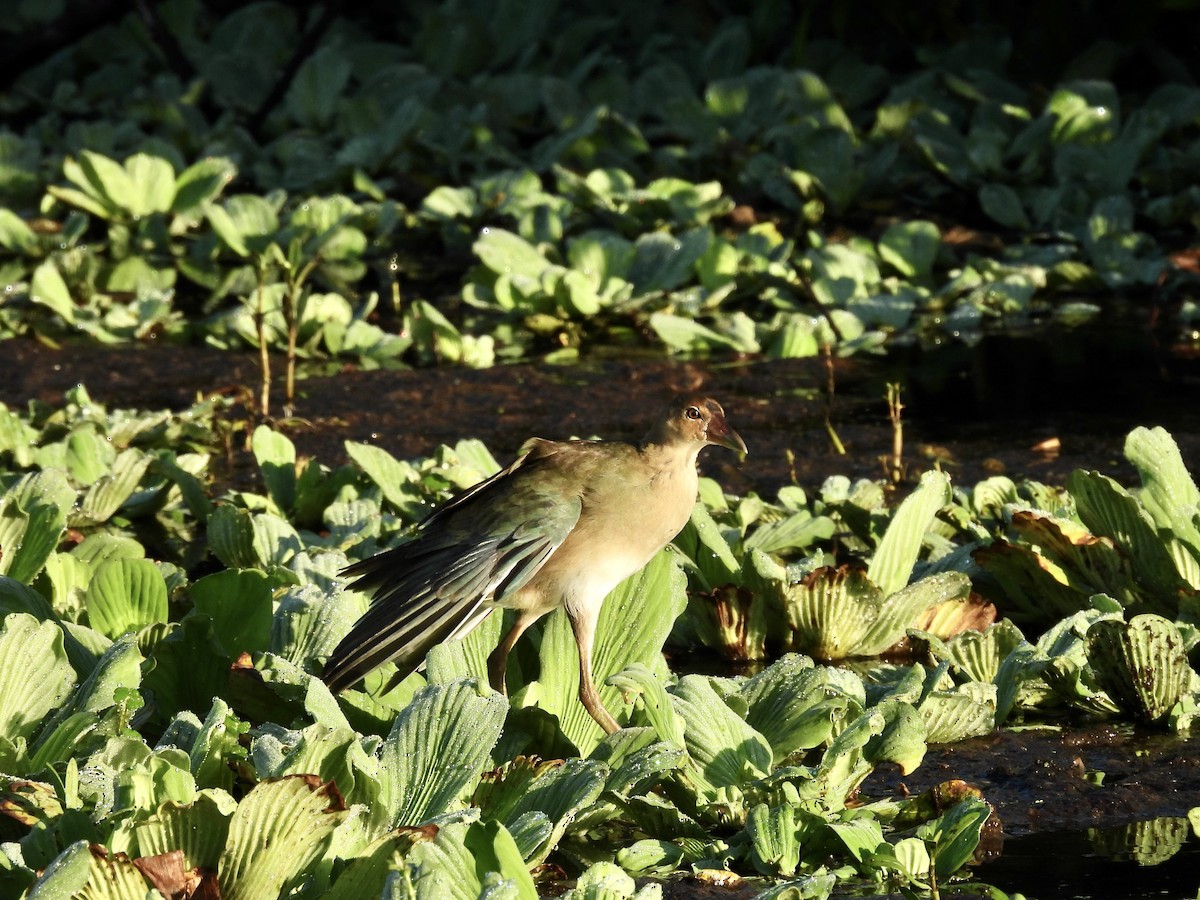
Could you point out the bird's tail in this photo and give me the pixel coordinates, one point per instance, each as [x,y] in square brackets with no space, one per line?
[398,630]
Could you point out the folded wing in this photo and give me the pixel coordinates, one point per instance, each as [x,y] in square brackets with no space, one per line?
[482,546]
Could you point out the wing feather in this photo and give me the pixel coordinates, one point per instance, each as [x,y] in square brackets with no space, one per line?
[469,555]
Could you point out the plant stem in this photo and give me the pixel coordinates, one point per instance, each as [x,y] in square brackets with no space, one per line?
[264,358]
[895,463]
[830,390]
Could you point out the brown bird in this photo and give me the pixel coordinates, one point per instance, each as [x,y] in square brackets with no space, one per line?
[562,526]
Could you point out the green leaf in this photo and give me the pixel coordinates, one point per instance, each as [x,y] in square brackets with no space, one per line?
[239,604]
[33,516]
[633,626]
[955,835]
[1002,204]
[1142,664]
[118,668]
[278,830]
[796,706]
[15,234]
[891,566]
[276,456]
[313,95]
[437,749]
[1168,492]
[189,669]
[509,254]
[911,248]
[126,595]
[66,876]
[201,183]
[200,830]
[35,675]
[1108,509]
[554,791]
[396,479]
[152,182]
[861,837]
[467,862]
[662,262]
[726,750]
[367,873]
[231,537]
[48,288]
[774,839]
[900,611]
[102,500]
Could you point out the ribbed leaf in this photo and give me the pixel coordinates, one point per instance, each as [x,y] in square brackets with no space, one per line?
[634,623]
[900,611]
[126,595]
[829,611]
[309,622]
[978,654]
[113,877]
[796,705]
[231,537]
[33,516]
[555,789]
[437,749]
[275,540]
[118,667]
[239,604]
[774,839]
[395,478]
[892,565]
[89,454]
[459,862]
[334,753]
[1168,492]
[35,675]
[1142,664]
[105,497]
[277,831]
[1108,509]
[366,874]
[967,711]
[655,704]
[200,830]
[726,751]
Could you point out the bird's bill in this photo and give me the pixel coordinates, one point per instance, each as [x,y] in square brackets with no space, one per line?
[722,435]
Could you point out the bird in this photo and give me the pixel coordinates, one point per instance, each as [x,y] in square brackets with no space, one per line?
[561,526]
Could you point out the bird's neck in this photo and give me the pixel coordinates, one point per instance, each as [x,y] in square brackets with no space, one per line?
[670,454]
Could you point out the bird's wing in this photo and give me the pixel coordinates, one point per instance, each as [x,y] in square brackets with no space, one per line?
[485,544]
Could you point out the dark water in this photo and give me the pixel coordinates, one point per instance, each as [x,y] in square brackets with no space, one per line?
[1098,864]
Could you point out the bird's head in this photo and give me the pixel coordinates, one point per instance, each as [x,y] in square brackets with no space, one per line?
[696,419]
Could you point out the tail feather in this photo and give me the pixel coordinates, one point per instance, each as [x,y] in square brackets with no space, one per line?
[385,634]
[474,552]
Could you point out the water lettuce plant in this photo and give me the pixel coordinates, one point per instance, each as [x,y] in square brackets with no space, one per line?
[351,194]
[161,712]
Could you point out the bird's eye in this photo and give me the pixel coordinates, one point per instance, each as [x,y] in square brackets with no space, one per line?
[692,412]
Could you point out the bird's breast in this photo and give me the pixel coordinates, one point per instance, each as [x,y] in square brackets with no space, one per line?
[622,524]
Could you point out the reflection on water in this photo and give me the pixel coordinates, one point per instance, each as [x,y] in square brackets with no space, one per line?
[1154,858]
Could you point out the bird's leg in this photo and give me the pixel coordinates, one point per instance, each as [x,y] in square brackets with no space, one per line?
[498,658]
[584,628]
